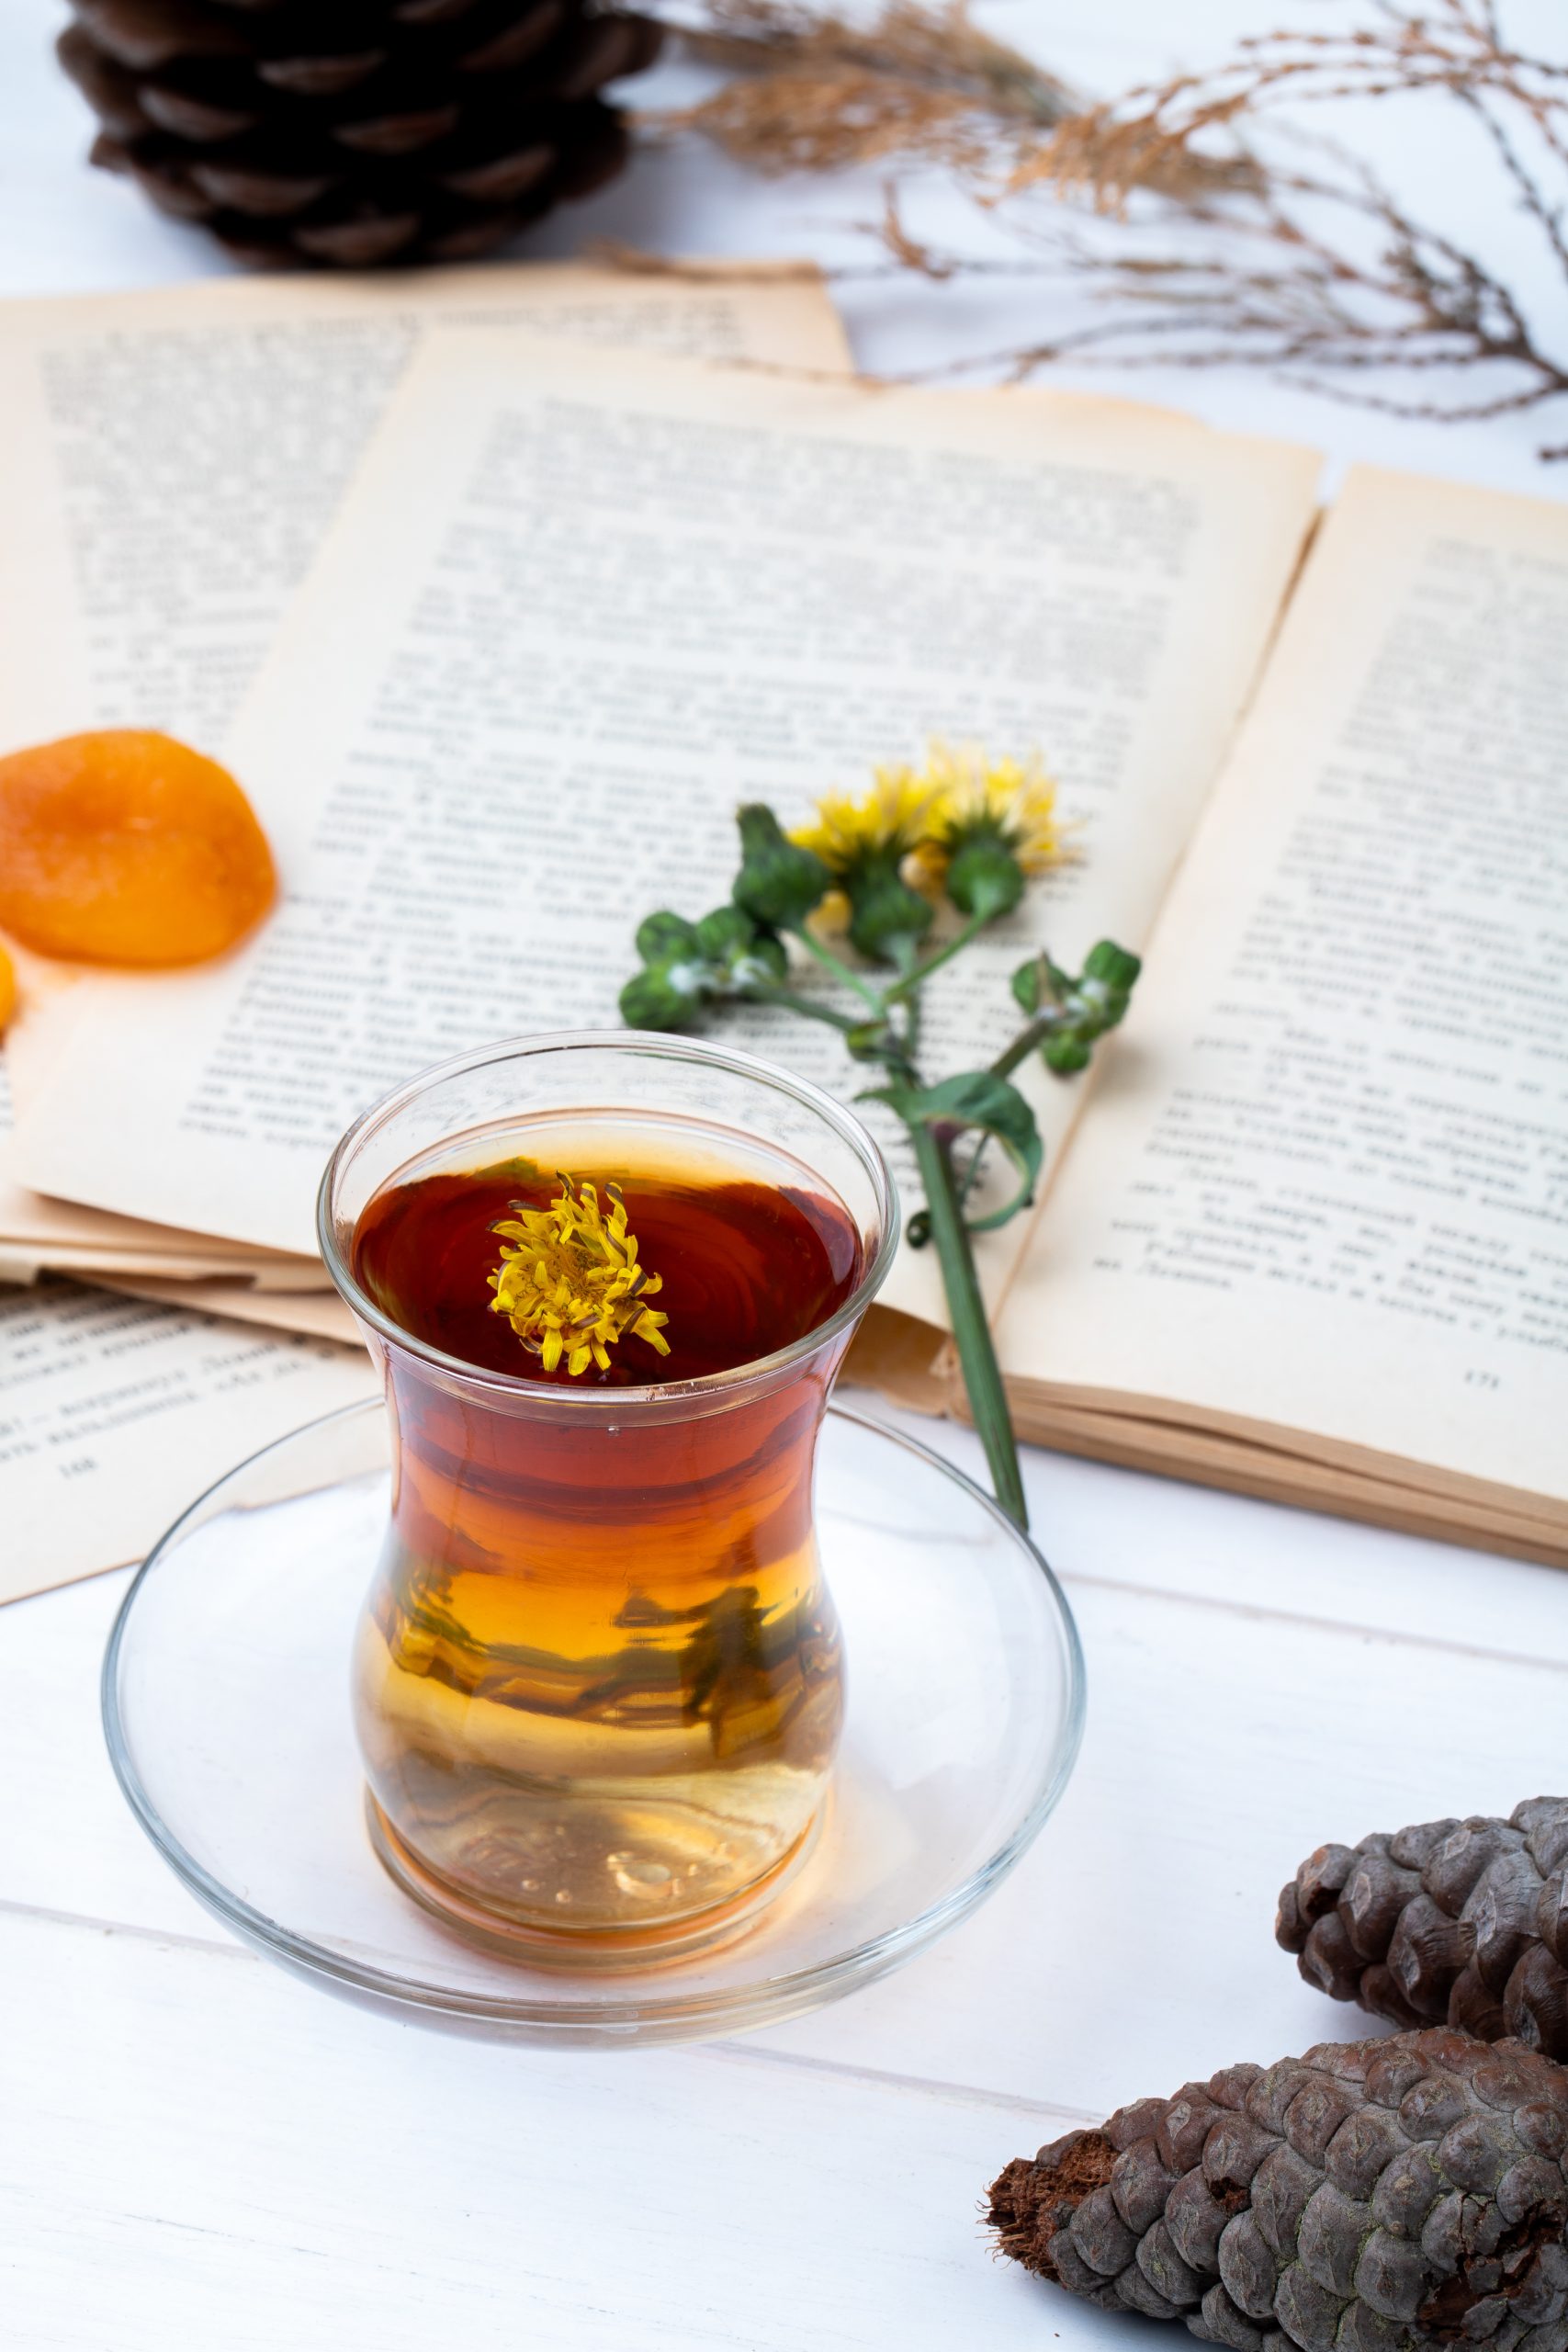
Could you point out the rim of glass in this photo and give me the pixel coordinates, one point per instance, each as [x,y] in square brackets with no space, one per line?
[764,2002]
[656,1045]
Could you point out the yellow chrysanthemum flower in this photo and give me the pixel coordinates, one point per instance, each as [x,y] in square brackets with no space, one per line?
[891,819]
[1010,801]
[570,1281]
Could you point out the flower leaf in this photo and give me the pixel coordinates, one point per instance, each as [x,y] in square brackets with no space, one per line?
[1038,981]
[976,1099]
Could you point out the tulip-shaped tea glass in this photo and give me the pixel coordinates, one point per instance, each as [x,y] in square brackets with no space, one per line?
[598,1682]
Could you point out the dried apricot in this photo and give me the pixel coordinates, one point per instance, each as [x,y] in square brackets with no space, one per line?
[7,990]
[127,847]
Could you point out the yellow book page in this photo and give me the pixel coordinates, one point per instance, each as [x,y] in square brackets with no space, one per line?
[1323,1188]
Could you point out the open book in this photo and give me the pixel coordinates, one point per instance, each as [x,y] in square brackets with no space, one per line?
[1314,1240]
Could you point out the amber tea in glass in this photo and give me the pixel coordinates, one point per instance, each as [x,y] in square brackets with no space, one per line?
[598,1683]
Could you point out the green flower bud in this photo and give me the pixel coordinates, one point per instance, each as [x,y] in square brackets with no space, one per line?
[779,883]
[883,910]
[985,878]
[724,933]
[1117,967]
[1079,1009]
[665,996]
[665,935]
[759,967]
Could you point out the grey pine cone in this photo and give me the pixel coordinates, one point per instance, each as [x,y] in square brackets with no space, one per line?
[1464,1923]
[1383,2196]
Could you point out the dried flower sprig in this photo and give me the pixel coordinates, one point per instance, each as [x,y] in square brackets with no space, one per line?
[912,85]
[814,91]
[1322,273]
[1216,235]
[962,831]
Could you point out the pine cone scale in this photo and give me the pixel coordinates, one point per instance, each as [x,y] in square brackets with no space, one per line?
[400,134]
[201,120]
[1538,1992]
[268,195]
[429,12]
[320,77]
[145,34]
[352,244]
[506,49]
[508,176]
[1551,1916]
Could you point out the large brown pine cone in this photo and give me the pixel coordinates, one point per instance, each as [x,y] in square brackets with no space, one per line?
[1465,1922]
[1372,2196]
[357,132]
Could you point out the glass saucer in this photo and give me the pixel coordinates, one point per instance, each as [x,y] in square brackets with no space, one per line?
[226,1706]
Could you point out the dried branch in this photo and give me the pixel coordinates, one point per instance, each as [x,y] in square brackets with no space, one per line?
[1185,210]
[1325,274]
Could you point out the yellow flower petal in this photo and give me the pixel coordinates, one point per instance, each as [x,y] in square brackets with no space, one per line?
[1013,799]
[570,1281]
[889,820]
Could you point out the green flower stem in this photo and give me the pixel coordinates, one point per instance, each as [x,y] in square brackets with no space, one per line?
[955,947]
[1023,1044]
[906,958]
[787,999]
[971,1176]
[971,1332]
[841,970]
[912,1028]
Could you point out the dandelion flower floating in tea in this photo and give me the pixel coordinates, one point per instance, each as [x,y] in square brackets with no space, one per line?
[570,1281]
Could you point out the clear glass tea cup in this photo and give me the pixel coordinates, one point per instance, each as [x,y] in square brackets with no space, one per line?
[598,1681]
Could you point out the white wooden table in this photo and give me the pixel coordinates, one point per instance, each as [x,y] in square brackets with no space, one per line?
[198,2151]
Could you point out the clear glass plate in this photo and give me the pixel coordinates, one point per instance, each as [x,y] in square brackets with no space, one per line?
[226,1707]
